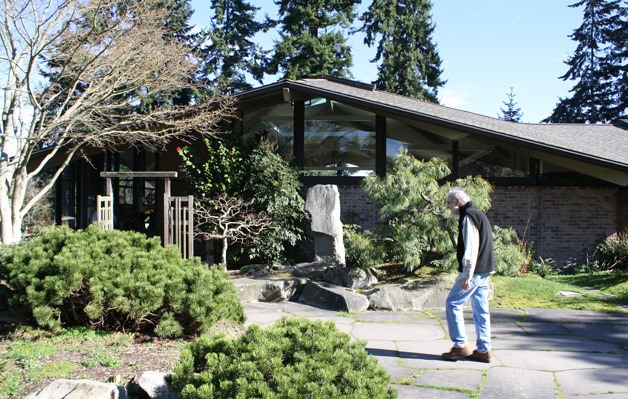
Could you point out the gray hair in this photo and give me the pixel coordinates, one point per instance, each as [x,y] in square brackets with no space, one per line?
[458,193]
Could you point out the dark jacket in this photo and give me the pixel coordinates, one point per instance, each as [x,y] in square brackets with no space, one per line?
[486,260]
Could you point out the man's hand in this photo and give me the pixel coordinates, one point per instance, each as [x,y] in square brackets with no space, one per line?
[466,284]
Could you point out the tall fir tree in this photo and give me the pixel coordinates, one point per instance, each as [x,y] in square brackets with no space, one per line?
[512,113]
[409,63]
[231,54]
[313,38]
[599,65]
[179,30]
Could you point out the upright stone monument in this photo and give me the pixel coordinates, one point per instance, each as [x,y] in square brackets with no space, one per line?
[323,204]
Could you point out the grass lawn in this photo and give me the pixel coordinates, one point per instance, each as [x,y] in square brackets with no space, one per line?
[600,291]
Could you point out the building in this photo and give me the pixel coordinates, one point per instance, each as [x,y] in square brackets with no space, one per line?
[562,187]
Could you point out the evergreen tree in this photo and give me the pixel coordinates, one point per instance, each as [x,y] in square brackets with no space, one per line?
[599,65]
[312,38]
[179,30]
[232,54]
[178,24]
[512,112]
[409,61]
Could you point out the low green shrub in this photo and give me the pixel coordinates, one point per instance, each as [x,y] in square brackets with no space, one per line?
[543,267]
[613,252]
[361,248]
[512,256]
[294,358]
[116,280]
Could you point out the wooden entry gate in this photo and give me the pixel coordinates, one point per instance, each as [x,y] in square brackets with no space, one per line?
[178,220]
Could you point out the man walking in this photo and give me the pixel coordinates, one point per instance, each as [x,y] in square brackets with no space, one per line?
[475,263]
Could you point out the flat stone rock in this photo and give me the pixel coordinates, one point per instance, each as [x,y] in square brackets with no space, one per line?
[603,396]
[386,354]
[569,294]
[398,331]
[465,379]
[617,333]
[566,316]
[393,317]
[542,328]
[268,289]
[80,389]
[552,342]
[303,310]
[333,297]
[560,360]
[154,384]
[412,392]
[598,382]
[518,384]
[414,295]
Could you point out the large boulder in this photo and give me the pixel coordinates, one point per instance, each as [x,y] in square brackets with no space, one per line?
[323,204]
[268,289]
[358,279]
[354,278]
[421,294]
[80,389]
[153,383]
[333,297]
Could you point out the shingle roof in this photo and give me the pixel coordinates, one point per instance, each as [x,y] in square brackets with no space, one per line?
[603,144]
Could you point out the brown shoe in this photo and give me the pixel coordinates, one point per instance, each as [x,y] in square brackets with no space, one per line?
[457,353]
[481,357]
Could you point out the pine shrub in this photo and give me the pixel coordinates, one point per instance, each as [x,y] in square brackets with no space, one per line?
[361,248]
[613,251]
[116,280]
[512,256]
[294,358]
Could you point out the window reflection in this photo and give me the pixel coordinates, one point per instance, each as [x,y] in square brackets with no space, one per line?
[275,122]
[420,143]
[491,159]
[339,140]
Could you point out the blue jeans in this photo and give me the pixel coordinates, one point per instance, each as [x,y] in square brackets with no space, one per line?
[479,294]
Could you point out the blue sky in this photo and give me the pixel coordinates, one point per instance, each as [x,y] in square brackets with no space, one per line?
[487,47]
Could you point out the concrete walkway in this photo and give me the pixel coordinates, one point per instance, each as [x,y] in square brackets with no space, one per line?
[539,353]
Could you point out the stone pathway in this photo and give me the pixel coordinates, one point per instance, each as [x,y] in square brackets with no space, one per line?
[539,353]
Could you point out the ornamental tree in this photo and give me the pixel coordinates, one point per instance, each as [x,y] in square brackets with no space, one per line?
[230,219]
[249,175]
[417,227]
[80,73]
[411,200]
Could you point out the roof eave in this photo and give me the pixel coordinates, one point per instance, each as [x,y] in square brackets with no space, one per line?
[443,122]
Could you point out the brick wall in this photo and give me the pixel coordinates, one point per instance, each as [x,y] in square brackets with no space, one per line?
[355,208]
[561,223]
[622,209]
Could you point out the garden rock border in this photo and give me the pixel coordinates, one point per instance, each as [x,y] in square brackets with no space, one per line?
[334,297]
[427,293]
[152,384]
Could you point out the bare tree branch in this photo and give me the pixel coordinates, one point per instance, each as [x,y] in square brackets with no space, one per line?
[74,74]
[230,219]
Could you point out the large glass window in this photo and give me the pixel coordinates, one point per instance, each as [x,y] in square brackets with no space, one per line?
[275,122]
[421,144]
[339,140]
[490,158]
